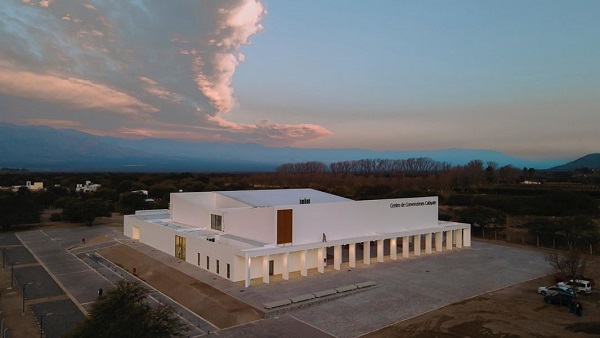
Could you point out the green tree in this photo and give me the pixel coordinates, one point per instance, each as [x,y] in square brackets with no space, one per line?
[578,232]
[123,312]
[484,218]
[85,211]
[129,202]
[18,208]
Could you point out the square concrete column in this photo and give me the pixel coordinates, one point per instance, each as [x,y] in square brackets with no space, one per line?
[393,249]
[321,260]
[467,237]
[428,243]
[303,269]
[458,238]
[367,252]
[439,239]
[286,268]
[417,245]
[405,246]
[266,269]
[449,240]
[380,250]
[248,266]
[352,255]
[337,257]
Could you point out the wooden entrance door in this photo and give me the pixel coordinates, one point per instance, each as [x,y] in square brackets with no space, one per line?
[284,226]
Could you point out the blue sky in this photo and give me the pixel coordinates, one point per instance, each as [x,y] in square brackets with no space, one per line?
[522,77]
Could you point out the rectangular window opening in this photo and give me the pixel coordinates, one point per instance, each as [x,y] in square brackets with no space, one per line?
[180,247]
[216,222]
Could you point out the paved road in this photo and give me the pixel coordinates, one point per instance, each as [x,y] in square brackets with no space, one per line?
[42,293]
[80,276]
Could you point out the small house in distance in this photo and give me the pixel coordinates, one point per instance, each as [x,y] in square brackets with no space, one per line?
[242,235]
[87,187]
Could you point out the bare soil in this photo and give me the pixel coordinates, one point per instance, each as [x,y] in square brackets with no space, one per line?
[211,304]
[516,311]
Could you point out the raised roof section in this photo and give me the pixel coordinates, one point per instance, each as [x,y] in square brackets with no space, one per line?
[275,197]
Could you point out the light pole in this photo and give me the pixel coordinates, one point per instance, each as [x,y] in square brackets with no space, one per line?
[24,285]
[42,324]
[12,273]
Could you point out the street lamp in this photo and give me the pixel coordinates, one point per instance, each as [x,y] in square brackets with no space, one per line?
[24,285]
[12,273]
[42,324]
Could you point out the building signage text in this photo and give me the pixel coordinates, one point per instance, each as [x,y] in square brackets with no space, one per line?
[412,204]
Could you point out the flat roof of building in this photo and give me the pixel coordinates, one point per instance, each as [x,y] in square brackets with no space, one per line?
[273,197]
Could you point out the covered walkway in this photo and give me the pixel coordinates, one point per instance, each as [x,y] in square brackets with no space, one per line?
[285,259]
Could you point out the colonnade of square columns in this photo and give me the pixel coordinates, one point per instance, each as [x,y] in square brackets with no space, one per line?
[453,238]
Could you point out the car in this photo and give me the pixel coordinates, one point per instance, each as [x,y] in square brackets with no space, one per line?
[581,286]
[560,277]
[559,298]
[544,290]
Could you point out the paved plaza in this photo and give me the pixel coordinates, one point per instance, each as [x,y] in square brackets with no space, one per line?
[403,289]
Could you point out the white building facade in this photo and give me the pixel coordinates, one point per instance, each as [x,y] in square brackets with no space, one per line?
[243,235]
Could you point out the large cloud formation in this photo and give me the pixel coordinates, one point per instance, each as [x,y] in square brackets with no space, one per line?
[127,67]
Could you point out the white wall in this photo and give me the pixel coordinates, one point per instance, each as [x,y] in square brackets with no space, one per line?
[360,218]
[227,202]
[254,223]
[151,234]
[214,251]
[191,208]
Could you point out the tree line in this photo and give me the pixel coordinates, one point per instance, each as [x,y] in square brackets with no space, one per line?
[409,167]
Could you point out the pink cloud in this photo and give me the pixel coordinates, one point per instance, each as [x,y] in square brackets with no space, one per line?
[54,123]
[273,134]
[154,88]
[214,70]
[217,86]
[71,92]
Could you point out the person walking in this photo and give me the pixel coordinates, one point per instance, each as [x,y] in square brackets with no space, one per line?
[572,306]
[579,310]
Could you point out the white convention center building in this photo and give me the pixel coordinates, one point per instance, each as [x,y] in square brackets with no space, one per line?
[243,235]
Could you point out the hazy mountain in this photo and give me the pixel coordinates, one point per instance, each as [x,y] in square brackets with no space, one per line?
[591,161]
[41,148]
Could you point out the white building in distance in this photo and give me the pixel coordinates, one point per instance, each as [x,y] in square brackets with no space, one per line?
[242,235]
[87,187]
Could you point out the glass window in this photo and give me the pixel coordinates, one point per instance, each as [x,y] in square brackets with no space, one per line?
[180,247]
[216,222]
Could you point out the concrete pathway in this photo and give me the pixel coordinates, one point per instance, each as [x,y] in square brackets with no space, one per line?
[405,288]
[81,278]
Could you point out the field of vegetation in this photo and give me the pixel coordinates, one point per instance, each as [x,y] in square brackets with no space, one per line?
[543,208]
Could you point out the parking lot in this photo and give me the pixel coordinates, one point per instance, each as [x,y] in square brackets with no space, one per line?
[404,288]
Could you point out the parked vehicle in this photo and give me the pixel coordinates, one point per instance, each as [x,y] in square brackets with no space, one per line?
[559,277]
[581,286]
[559,298]
[544,290]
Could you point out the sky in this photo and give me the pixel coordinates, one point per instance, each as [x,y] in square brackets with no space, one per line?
[521,77]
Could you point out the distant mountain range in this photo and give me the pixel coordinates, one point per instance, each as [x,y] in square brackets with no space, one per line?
[41,148]
[591,161]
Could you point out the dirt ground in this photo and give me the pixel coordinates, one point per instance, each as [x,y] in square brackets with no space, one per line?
[211,304]
[513,312]
[11,303]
